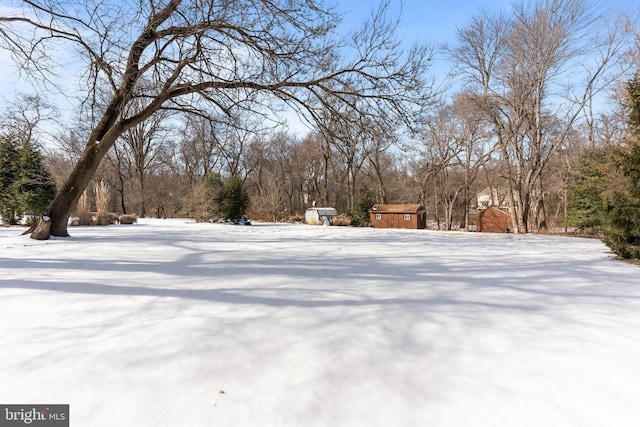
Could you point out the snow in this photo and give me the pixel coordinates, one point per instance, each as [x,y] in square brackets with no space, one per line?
[170,323]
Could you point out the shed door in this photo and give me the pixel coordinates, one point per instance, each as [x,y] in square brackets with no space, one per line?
[392,221]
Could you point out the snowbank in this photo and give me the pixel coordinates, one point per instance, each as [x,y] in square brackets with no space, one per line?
[171,323]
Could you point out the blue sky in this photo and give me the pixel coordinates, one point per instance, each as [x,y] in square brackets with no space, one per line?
[434,21]
[429,21]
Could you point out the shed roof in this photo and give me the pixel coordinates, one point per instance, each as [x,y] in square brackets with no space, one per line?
[324,210]
[406,208]
[492,210]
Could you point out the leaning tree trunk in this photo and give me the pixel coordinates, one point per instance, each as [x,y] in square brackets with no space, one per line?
[59,210]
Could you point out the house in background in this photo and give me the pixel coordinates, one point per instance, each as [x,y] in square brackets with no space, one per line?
[496,197]
[398,216]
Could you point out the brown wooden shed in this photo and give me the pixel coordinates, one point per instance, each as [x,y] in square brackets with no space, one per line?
[398,216]
[493,220]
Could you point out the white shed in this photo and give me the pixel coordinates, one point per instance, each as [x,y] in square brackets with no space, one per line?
[320,216]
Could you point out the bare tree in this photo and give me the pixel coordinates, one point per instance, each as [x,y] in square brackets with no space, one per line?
[23,116]
[441,145]
[145,142]
[235,144]
[350,145]
[436,150]
[534,72]
[476,146]
[197,151]
[120,163]
[381,164]
[235,54]
[312,164]
[272,183]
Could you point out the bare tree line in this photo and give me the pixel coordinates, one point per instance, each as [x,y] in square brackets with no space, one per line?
[195,93]
[235,56]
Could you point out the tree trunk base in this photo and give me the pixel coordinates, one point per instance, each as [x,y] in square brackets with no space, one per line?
[42,230]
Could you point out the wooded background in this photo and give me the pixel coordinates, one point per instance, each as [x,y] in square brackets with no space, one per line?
[532,91]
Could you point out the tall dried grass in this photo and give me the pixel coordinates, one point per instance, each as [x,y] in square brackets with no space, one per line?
[103,198]
[82,213]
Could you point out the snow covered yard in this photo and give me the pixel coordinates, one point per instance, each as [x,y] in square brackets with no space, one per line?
[171,323]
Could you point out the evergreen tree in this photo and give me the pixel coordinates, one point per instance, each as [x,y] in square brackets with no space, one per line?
[361,205]
[624,211]
[25,183]
[605,197]
[586,192]
[232,199]
[213,184]
[9,164]
[36,188]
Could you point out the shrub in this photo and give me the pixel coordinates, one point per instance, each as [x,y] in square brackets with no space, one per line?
[342,220]
[197,204]
[128,219]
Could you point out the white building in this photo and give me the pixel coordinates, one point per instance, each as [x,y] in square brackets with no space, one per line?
[496,197]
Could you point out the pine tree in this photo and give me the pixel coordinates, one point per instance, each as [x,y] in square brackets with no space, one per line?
[605,197]
[36,188]
[624,211]
[213,184]
[232,199]
[586,194]
[363,202]
[9,165]
[25,183]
